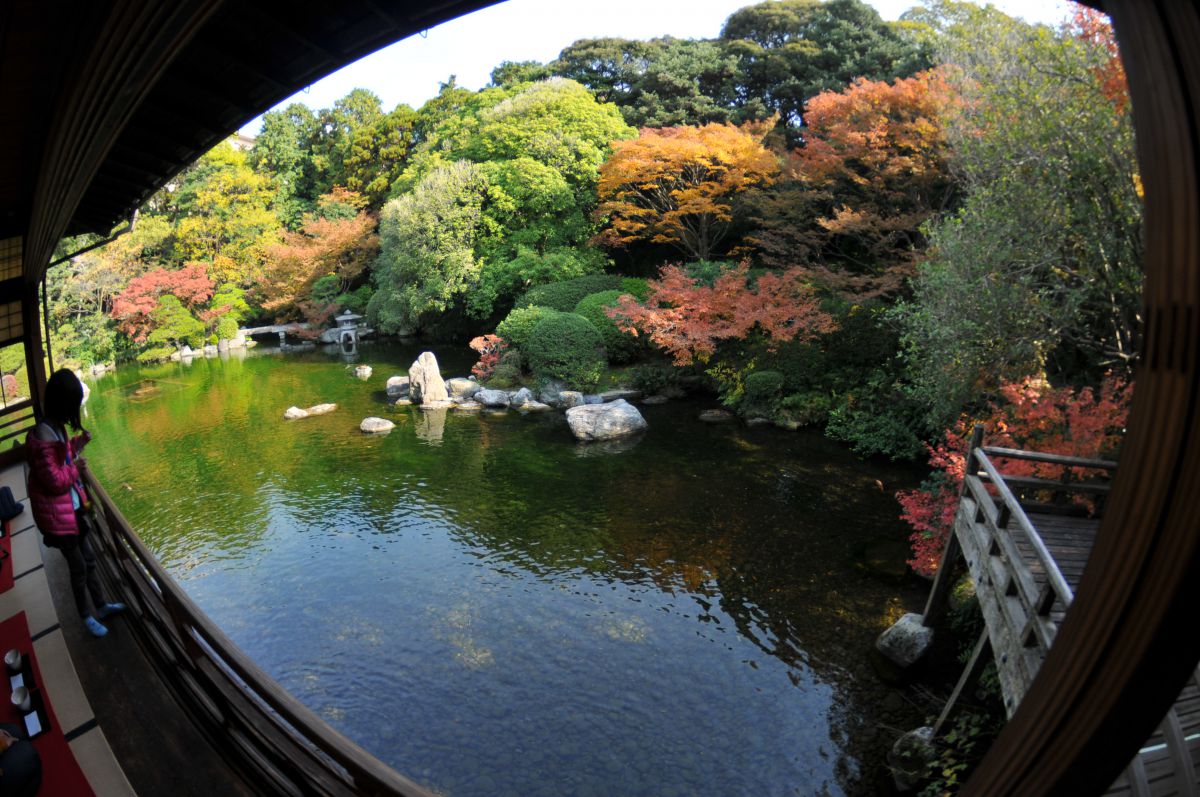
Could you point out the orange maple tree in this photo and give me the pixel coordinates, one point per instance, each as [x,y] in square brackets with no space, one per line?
[873,169]
[676,185]
[1087,423]
[324,245]
[688,318]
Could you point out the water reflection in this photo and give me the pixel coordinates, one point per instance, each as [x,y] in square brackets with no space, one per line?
[493,609]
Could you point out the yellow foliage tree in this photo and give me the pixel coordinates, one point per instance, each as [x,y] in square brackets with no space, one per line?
[676,185]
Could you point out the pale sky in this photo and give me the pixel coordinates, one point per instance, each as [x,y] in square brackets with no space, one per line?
[469,47]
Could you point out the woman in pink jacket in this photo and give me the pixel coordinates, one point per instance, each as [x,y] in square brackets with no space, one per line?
[58,499]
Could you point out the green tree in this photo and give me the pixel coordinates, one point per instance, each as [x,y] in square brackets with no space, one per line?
[1041,268]
[378,154]
[791,50]
[282,152]
[174,327]
[224,215]
[610,67]
[539,148]
[427,256]
[333,139]
[512,73]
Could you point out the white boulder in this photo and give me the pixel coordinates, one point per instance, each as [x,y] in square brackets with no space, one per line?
[462,388]
[376,425]
[605,421]
[906,641]
[425,380]
[363,372]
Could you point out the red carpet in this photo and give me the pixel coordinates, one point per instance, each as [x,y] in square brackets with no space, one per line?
[61,776]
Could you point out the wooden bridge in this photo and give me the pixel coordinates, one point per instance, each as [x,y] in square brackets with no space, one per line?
[1026,542]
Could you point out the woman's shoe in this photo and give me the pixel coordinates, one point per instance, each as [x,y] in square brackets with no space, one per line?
[94,626]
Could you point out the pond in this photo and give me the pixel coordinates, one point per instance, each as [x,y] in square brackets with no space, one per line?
[492,608]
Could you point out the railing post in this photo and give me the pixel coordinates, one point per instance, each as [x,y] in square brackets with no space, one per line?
[940,593]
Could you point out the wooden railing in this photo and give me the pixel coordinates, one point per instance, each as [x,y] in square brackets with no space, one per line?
[16,419]
[277,742]
[1021,588]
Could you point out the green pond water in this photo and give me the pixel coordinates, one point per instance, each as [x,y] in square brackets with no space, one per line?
[492,608]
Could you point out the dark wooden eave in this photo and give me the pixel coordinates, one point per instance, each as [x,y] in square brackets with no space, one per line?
[111,99]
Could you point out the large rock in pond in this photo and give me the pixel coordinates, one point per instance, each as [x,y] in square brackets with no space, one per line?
[570,398]
[397,386]
[462,388]
[425,380]
[492,398]
[376,425]
[717,416]
[906,641]
[605,421]
[521,397]
[295,413]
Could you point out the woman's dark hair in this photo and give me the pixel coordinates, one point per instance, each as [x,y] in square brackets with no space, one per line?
[64,397]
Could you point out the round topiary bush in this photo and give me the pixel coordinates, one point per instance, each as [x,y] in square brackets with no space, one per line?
[563,296]
[762,389]
[566,346]
[621,346]
[227,328]
[517,325]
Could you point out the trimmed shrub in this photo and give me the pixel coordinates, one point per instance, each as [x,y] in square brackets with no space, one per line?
[563,296]
[652,379]
[761,391]
[636,287]
[227,328]
[621,346]
[517,325]
[806,409]
[566,346]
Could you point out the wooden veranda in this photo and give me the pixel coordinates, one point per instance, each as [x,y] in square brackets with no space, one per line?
[1025,542]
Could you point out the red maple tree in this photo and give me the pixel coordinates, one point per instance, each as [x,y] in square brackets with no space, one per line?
[133,307]
[688,318]
[491,348]
[1085,423]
